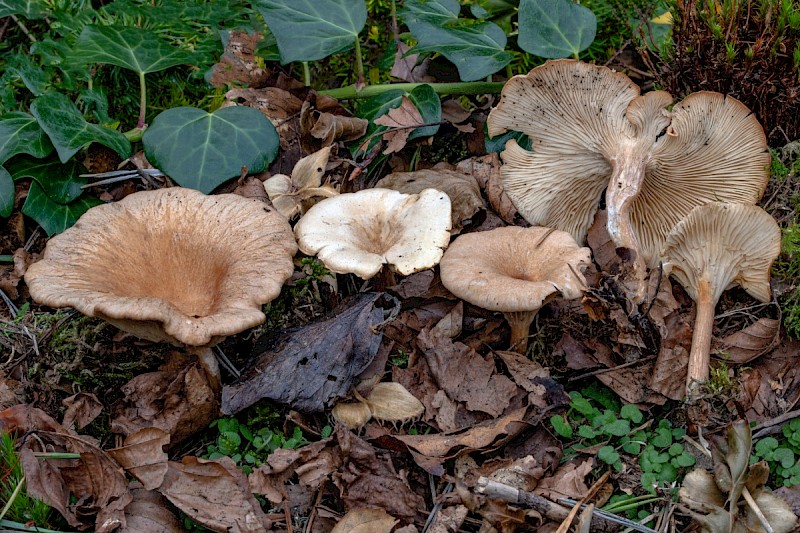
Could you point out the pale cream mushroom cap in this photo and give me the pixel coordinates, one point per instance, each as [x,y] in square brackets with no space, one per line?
[727,244]
[591,130]
[357,233]
[513,269]
[169,265]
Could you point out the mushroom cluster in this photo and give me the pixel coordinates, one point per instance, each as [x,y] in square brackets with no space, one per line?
[591,131]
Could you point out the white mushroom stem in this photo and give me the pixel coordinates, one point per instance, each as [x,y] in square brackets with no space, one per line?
[700,356]
[208,362]
[520,322]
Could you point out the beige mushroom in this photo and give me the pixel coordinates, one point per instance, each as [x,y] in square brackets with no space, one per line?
[170,265]
[716,246]
[591,130]
[357,233]
[515,271]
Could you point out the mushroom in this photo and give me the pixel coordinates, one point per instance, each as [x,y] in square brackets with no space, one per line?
[357,233]
[718,245]
[171,265]
[591,130]
[515,271]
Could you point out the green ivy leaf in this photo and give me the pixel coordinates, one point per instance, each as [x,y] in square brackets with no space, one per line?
[20,133]
[202,150]
[555,28]
[6,193]
[632,413]
[69,131]
[632,448]
[51,216]
[61,182]
[138,50]
[608,455]
[583,406]
[423,97]
[477,50]
[498,144]
[30,9]
[662,439]
[561,426]
[307,30]
[685,460]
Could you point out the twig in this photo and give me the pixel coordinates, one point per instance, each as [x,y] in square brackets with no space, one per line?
[24,29]
[757,511]
[612,369]
[762,429]
[611,517]
[432,515]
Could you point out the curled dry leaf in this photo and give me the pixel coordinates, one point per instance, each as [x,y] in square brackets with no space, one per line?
[142,454]
[463,190]
[567,481]
[296,194]
[323,121]
[82,408]
[215,494]
[366,521]
[454,113]
[753,341]
[486,170]
[405,66]
[149,512]
[10,275]
[238,63]
[401,121]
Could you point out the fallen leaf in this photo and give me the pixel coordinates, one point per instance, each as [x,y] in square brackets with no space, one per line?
[10,276]
[401,121]
[454,113]
[771,386]
[366,521]
[544,391]
[215,494]
[323,121]
[668,376]
[12,392]
[82,408]
[567,481]
[312,367]
[463,190]
[753,341]
[281,107]
[405,66]
[149,512]
[142,455]
[486,170]
[238,63]
[294,195]
[178,399]
[251,187]
[449,519]
[603,248]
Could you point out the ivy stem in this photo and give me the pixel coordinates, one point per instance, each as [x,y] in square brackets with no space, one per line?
[360,81]
[24,28]
[142,101]
[442,89]
[306,74]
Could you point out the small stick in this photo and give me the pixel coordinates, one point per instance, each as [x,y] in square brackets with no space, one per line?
[785,417]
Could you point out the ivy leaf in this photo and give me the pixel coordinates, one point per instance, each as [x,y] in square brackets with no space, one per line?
[202,150]
[138,50]
[307,30]
[6,192]
[30,9]
[61,182]
[423,97]
[561,426]
[608,455]
[477,50]
[20,133]
[69,131]
[632,413]
[617,428]
[555,28]
[52,216]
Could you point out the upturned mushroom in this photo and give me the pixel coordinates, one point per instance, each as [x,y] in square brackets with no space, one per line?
[515,271]
[171,265]
[716,246]
[358,233]
[591,131]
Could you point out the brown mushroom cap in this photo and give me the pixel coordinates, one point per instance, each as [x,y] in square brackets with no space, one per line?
[169,265]
[591,130]
[716,246]
[357,233]
[514,270]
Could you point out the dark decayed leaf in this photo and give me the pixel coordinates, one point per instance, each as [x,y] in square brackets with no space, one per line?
[54,217]
[82,408]
[310,368]
[149,512]
[20,133]
[238,63]
[202,150]
[30,9]
[307,30]
[68,129]
[313,465]
[555,28]
[138,50]
[477,50]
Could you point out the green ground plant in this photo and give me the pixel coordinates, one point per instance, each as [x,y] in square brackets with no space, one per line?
[781,454]
[15,504]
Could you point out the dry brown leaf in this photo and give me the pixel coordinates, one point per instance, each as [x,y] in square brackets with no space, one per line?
[82,408]
[603,248]
[753,341]
[294,195]
[12,392]
[238,63]
[12,274]
[567,481]
[668,376]
[544,392]
[454,113]
[463,190]
[449,519]
[486,170]
[323,121]
[405,66]
[149,512]
[366,521]
[215,494]
[401,121]
[177,399]
[771,386]
[279,106]
[251,187]
[142,454]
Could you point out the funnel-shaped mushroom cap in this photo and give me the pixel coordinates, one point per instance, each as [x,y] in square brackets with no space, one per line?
[358,233]
[169,265]
[591,130]
[723,244]
[514,269]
